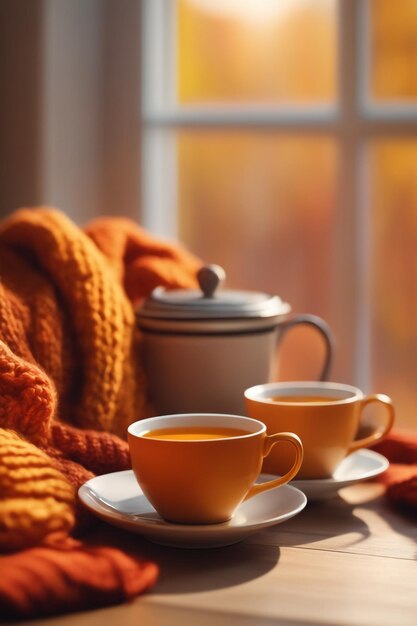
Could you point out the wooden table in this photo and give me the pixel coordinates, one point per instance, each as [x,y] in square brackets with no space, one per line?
[350,560]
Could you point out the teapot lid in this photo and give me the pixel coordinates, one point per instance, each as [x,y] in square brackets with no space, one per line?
[211,302]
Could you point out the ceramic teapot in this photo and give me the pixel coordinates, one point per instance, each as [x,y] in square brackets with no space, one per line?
[202,349]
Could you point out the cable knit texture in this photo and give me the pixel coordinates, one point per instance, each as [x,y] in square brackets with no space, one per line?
[71,381]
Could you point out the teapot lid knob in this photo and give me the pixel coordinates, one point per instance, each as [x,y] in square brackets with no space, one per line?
[209,278]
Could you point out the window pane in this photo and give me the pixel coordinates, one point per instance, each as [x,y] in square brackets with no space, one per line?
[393,50]
[394,273]
[256,51]
[263,205]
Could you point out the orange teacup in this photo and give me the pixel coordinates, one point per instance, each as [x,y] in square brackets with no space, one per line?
[326,416]
[198,468]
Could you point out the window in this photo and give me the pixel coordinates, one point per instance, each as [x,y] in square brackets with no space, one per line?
[280,141]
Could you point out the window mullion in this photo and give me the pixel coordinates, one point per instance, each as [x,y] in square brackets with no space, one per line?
[243,115]
[159,182]
[159,162]
[353,299]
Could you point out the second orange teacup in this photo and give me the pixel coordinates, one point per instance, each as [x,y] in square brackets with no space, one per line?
[326,416]
[198,468]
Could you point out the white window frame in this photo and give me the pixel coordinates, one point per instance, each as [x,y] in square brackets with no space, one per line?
[351,121]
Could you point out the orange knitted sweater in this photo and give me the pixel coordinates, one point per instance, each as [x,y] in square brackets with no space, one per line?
[71,379]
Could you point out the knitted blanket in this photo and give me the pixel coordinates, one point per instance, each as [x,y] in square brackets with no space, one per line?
[71,381]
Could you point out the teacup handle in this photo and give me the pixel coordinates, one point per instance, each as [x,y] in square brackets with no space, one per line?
[379,434]
[269,442]
[324,330]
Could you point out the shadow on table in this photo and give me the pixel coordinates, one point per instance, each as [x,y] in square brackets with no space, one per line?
[189,570]
[318,522]
[401,518]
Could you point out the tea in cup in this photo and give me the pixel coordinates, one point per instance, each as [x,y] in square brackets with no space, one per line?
[198,468]
[326,416]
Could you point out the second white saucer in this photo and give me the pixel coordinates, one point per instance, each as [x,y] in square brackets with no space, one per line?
[359,466]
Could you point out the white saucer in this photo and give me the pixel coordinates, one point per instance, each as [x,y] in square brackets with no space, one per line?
[118,499]
[360,465]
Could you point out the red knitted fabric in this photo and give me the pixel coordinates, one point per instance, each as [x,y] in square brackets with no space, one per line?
[400,479]
[71,576]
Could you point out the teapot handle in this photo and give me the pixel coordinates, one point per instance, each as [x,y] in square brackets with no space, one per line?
[324,330]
